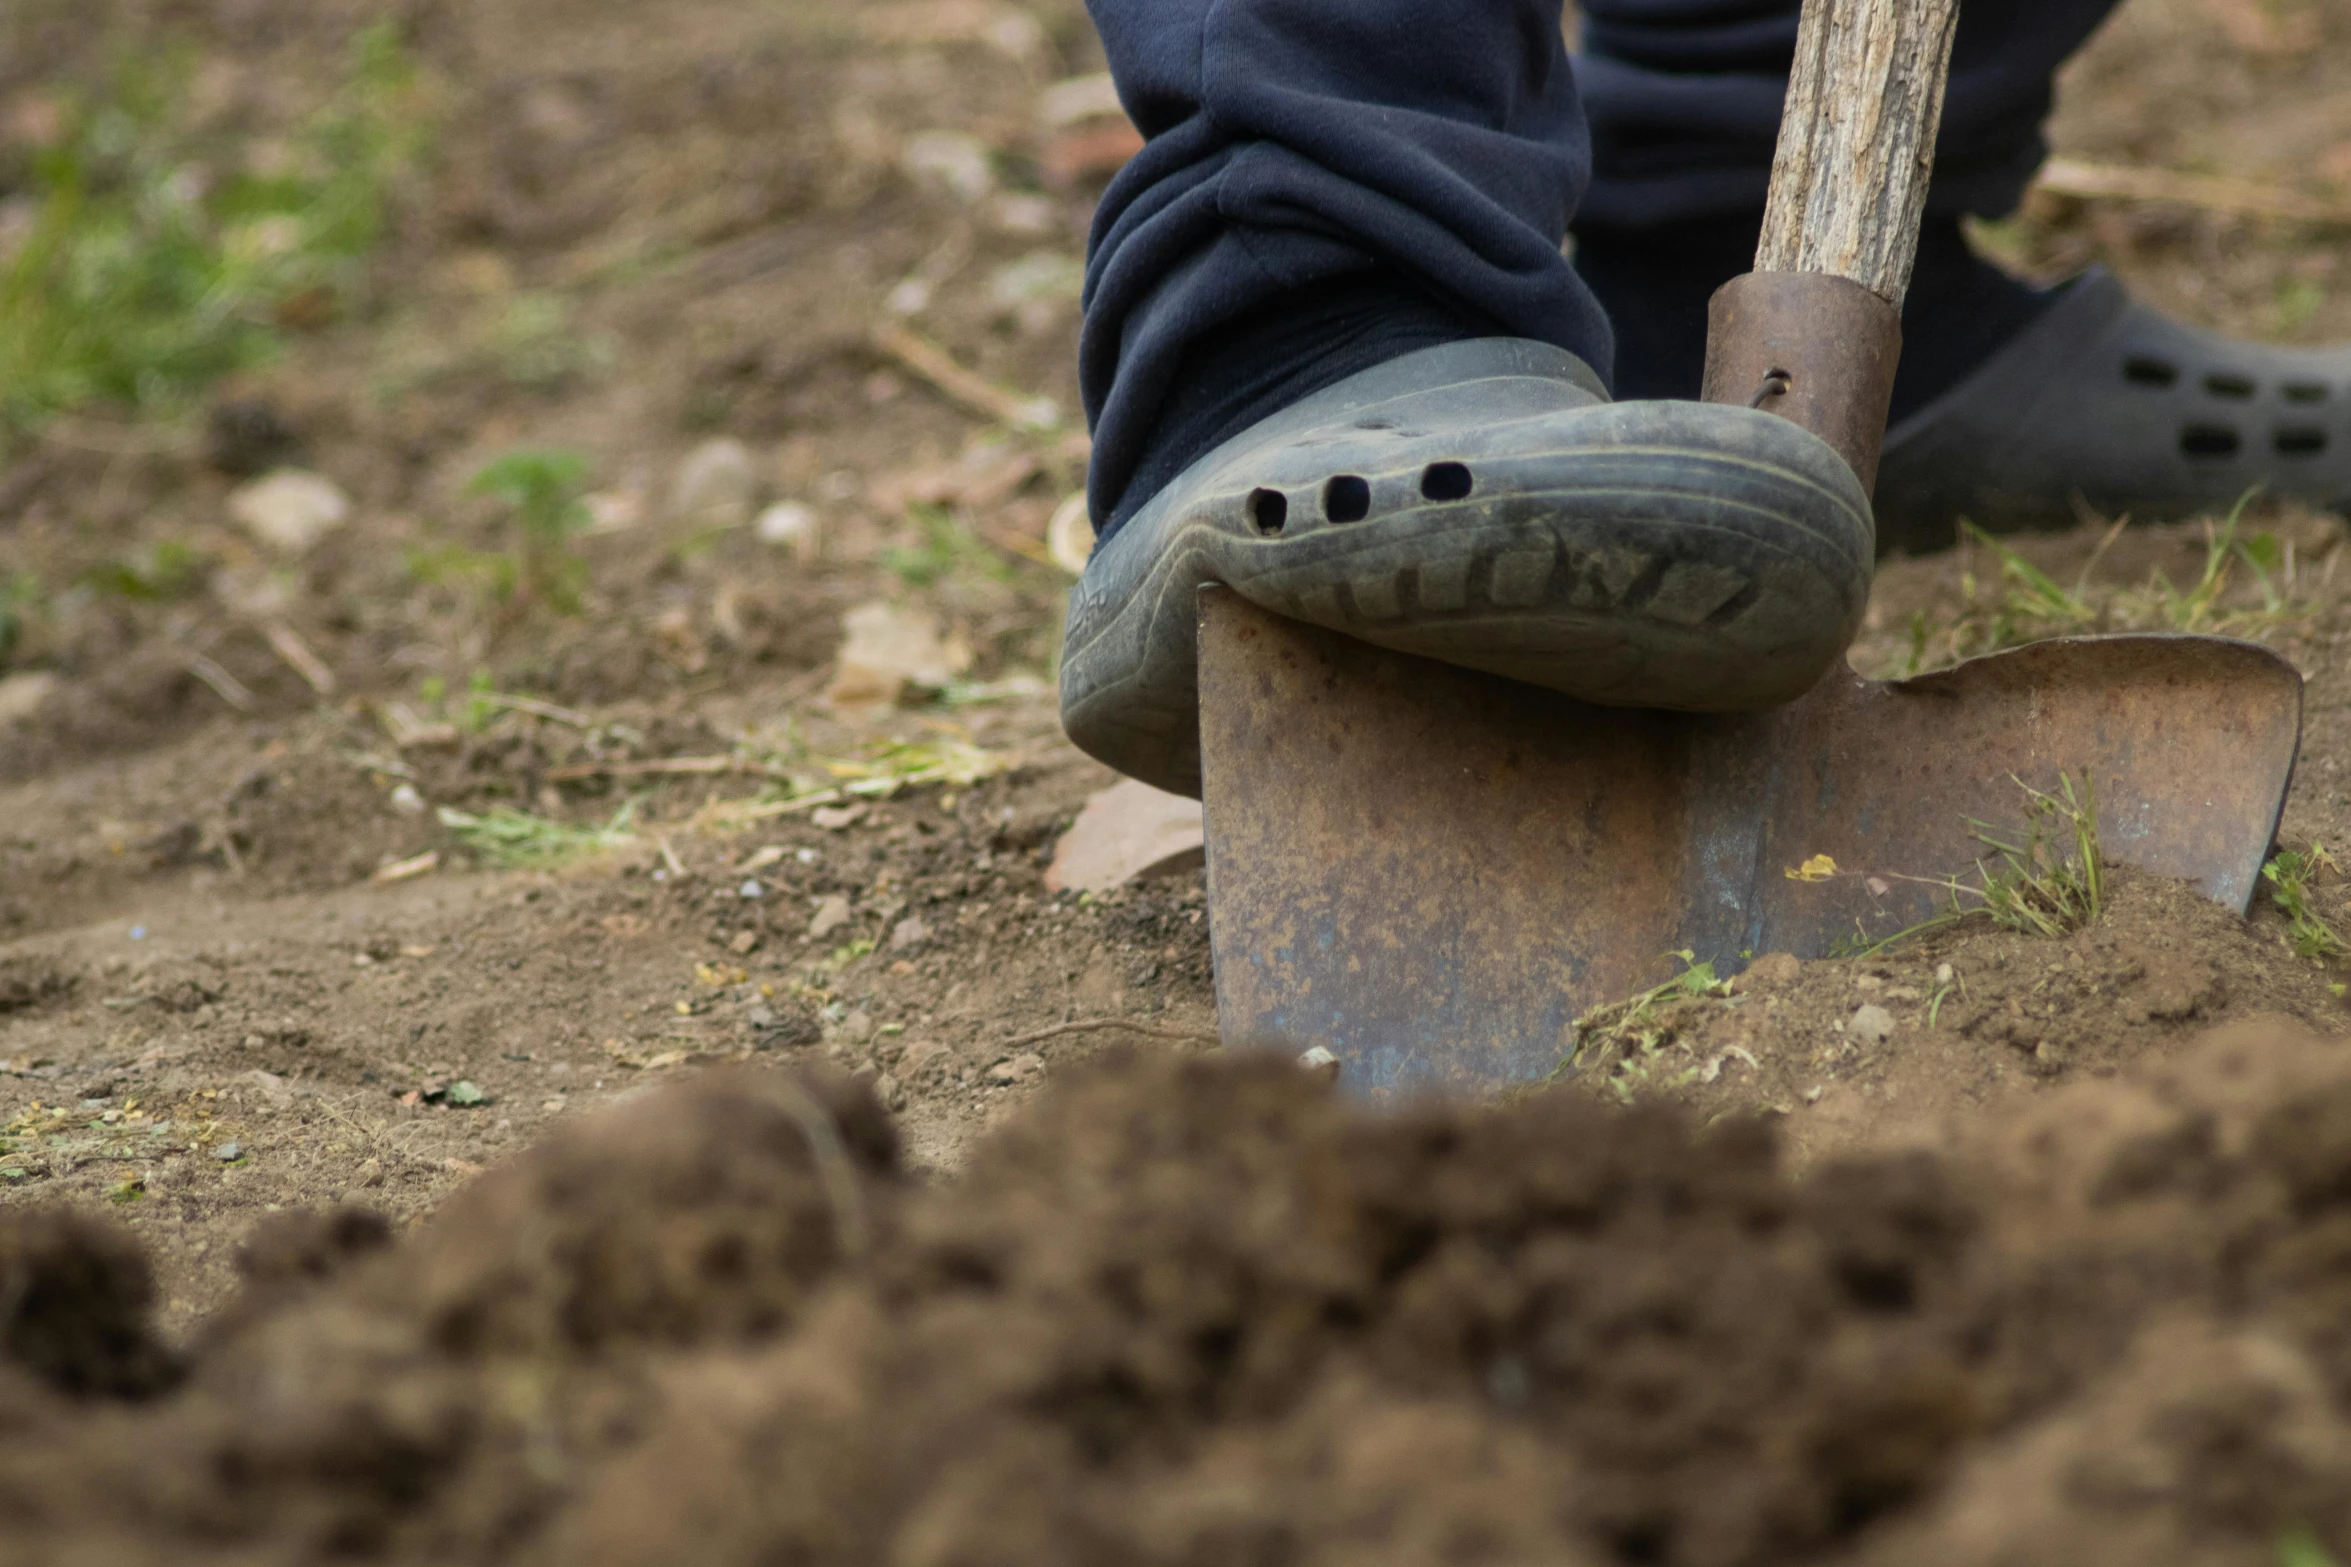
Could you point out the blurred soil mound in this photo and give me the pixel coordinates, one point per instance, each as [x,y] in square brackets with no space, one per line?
[1201,1311]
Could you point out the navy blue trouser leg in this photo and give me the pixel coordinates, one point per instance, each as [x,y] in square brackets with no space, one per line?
[1292,143]
[1295,145]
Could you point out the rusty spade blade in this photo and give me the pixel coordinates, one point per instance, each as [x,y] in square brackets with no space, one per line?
[1432,873]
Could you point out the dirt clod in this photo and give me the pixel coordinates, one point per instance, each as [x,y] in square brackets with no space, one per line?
[1192,1309]
[74,1299]
[29,982]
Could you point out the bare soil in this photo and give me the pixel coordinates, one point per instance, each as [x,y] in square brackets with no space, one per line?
[326,1234]
[1193,1310]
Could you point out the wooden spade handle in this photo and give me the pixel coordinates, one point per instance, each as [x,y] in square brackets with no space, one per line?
[1857,141]
[1814,333]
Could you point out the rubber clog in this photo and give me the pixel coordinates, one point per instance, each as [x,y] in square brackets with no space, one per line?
[2104,401]
[1484,504]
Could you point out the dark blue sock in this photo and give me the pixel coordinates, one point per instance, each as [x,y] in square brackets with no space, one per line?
[1279,354]
[1655,283]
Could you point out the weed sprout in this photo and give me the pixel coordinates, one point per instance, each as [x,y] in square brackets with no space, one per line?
[2290,874]
[542,492]
[146,274]
[2026,604]
[508,838]
[2048,880]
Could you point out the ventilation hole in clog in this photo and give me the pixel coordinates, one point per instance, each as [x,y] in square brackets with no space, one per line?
[1447,481]
[1346,499]
[2304,391]
[2302,441]
[1269,510]
[2150,372]
[2225,384]
[2210,441]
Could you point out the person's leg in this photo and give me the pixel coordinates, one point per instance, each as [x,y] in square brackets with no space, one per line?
[1685,98]
[2014,405]
[1337,364]
[1326,184]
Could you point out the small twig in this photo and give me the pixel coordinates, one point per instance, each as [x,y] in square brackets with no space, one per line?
[832,1167]
[686,766]
[805,802]
[2212,193]
[298,656]
[80,1159]
[975,391]
[224,685]
[1182,1036]
[537,709]
[368,1132]
[406,729]
[669,857]
[409,869]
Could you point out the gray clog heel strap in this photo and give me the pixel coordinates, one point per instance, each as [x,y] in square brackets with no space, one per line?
[1485,505]
[2105,399]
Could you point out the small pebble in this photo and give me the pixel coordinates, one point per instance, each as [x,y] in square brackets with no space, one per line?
[716,485]
[290,511]
[229,1153]
[1872,1025]
[1017,1070]
[790,524]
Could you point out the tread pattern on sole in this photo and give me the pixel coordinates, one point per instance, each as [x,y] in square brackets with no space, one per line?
[1379,597]
[1578,583]
[1522,577]
[1444,585]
